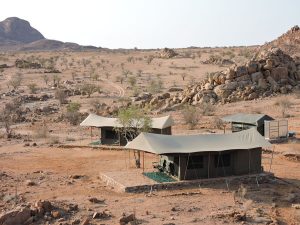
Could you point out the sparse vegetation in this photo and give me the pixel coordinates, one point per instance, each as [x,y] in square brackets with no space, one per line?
[284,104]
[32,87]
[73,115]
[191,116]
[61,96]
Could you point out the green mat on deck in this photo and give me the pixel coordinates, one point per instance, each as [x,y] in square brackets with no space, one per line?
[159,177]
[96,143]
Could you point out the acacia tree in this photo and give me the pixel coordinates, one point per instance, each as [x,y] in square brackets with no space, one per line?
[10,114]
[133,121]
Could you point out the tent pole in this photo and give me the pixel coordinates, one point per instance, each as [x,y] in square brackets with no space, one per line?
[249,161]
[208,164]
[91,133]
[186,165]
[129,159]
[143,161]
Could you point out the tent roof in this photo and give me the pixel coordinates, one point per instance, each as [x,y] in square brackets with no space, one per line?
[164,144]
[99,121]
[254,119]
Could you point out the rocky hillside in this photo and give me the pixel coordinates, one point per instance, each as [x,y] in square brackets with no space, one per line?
[288,42]
[270,73]
[18,35]
[17,30]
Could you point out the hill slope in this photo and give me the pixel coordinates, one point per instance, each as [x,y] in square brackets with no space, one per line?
[289,42]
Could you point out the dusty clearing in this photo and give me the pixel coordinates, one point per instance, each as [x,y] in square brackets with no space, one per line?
[52,170]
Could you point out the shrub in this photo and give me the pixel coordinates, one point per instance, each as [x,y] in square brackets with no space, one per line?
[90,89]
[73,115]
[207,109]
[15,81]
[61,96]
[190,116]
[32,87]
[132,81]
[217,123]
[283,104]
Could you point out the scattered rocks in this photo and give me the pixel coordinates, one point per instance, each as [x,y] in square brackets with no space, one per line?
[126,219]
[96,200]
[102,215]
[23,64]
[3,66]
[296,206]
[218,60]
[30,183]
[17,216]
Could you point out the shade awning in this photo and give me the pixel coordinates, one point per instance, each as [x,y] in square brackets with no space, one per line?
[99,121]
[164,144]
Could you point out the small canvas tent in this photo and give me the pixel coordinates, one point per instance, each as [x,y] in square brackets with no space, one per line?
[242,121]
[205,156]
[161,125]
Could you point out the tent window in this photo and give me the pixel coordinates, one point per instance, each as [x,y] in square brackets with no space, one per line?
[223,160]
[110,134]
[195,162]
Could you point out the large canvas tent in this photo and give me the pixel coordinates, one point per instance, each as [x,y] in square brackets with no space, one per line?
[161,125]
[206,155]
[243,121]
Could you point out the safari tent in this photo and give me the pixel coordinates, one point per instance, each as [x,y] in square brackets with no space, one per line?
[205,156]
[243,121]
[108,135]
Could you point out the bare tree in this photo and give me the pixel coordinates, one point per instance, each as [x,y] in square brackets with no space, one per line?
[15,81]
[10,114]
[61,96]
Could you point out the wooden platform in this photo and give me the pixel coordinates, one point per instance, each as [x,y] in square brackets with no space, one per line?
[133,181]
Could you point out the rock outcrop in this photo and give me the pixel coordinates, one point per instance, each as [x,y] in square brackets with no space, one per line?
[270,73]
[167,53]
[18,30]
[289,42]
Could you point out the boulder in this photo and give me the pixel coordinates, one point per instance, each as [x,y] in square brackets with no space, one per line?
[262,84]
[230,73]
[279,73]
[256,76]
[208,86]
[14,217]
[283,90]
[175,89]
[126,219]
[252,96]
[273,83]
[269,64]
[245,77]
[252,67]
[241,71]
